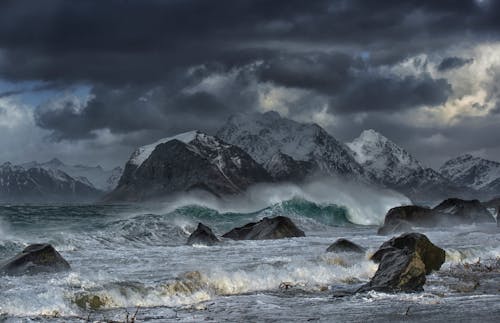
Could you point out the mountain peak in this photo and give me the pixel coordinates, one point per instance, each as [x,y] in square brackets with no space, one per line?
[142,153]
[264,135]
[371,135]
[382,157]
[55,162]
[471,171]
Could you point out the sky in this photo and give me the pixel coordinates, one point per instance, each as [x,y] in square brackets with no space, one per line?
[87,81]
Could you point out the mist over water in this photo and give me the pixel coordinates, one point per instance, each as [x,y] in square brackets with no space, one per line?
[135,255]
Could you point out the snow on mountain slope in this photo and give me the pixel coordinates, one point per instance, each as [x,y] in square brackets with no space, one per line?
[383,158]
[96,175]
[474,172]
[265,135]
[192,160]
[142,153]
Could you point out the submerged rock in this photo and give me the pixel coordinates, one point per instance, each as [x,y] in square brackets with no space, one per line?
[452,211]
[268,228]
[34,259]
[344,245]
[404,262]
[202,235]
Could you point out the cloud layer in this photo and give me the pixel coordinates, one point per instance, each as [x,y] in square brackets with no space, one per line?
[421,72]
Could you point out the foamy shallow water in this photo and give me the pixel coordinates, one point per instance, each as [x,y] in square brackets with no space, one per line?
[130,258]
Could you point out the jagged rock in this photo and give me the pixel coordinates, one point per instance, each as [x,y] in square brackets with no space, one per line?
[344,245]
[36,258]
[451,211]
[186,162]
[268,228]
[202,235]
[404,262]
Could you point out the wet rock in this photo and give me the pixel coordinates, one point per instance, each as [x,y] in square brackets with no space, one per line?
[404,262]
[452,211]
[344,245]
[463,211]
[268,228]
[202,235]
[34,259]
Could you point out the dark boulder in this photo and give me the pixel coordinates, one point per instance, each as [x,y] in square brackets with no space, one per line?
[452,211]
[463,211]
[401,218]
[268,228]
[202,235]
[404,262]
[344,245]
[34,259]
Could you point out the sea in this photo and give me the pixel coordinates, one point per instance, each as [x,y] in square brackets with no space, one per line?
[130,263]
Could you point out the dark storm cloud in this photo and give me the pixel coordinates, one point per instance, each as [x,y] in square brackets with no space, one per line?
[142,57]
[450,63]
[120,41]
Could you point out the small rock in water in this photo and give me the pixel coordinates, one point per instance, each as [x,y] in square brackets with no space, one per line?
[344,245]
[34,259]
[202,235]
[404,262]
[268,228]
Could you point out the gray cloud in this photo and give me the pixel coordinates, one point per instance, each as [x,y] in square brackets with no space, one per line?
[450,63]
[147,62]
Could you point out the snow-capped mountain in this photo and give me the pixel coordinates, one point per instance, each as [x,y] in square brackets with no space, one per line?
[38,184]
[395,168]
[474,172]
[383,158]
[188,161]
[266,135]
[102,179]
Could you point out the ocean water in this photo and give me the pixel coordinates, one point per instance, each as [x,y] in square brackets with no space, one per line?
[131,258]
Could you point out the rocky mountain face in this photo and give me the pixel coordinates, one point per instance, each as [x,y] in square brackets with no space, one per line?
[474,172]
[189,161]
[41,185]
[395,168]
[101,179]
[277,142]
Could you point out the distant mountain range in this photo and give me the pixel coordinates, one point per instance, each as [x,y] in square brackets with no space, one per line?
[250,149]
[279,149]
[42,185]
[104,180]
[54,181]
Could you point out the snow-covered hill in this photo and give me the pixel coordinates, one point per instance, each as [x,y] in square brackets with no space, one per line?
[102,179]
[191,160]
[395,168]
[474,172]
[38,184]
[263,136]
[383,158]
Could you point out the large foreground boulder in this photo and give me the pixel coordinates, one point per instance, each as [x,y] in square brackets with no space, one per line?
[202,235]
[404,262]
[268,228]
[34,259]
[344,245]
[452,211]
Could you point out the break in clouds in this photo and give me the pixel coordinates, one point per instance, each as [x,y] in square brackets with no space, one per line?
[90,80]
